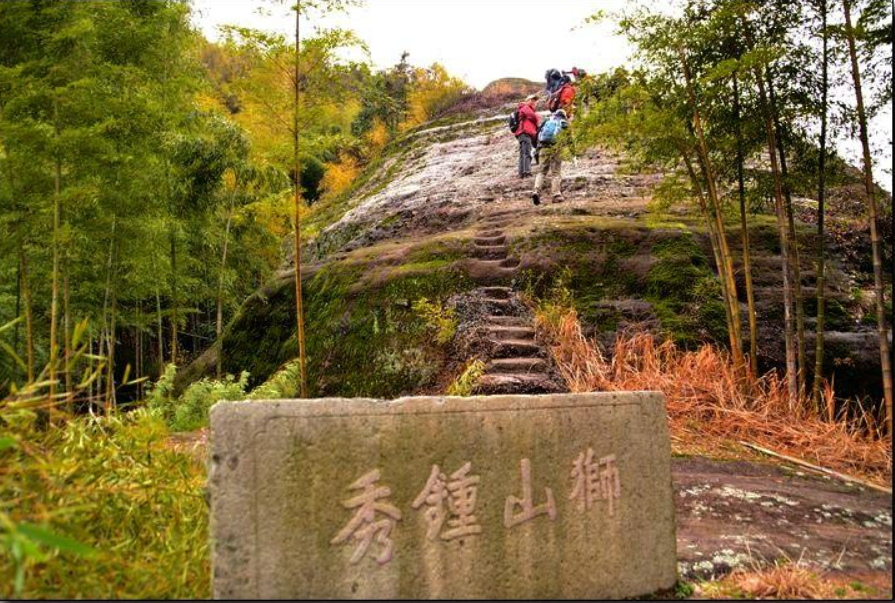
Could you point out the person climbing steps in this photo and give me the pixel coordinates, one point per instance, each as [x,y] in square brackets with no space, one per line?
[526,123]
[555,141]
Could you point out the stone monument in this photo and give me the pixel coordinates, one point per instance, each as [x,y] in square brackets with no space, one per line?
[557,496]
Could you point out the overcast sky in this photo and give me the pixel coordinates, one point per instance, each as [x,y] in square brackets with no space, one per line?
[483,40]
[478,40]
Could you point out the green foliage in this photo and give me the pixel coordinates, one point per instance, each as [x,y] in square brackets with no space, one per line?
[100,508]
[189,411]
[466,382]
[683,590]
[439,319]
[160,399]
[558,298]
[285,383]
[685,293]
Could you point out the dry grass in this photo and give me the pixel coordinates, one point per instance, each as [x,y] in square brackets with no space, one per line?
[786,582]
[782,582]
[710,406]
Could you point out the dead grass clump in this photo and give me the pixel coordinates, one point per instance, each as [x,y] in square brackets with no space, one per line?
[787,582]
[706,398]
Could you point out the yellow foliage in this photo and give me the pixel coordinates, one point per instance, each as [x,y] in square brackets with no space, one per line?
[209,103]
[378,135]
[339,176]
[274,213]
[433,90]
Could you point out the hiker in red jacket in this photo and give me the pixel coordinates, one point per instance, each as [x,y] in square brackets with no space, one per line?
[564,98]
[527,132]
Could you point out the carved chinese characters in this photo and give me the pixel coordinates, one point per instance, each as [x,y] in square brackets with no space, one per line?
[593,481]
[527,508]
[459,495]
[364,525]
[448,503]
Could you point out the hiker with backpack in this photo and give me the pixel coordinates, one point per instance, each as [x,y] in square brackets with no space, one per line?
[563,97]
[556,141]
[524,123]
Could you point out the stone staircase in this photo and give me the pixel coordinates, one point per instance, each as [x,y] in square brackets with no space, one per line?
[516,360]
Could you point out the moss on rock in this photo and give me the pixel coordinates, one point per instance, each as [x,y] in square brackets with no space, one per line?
[370,343]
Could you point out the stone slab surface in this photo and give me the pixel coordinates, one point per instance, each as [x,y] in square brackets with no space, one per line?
[519,497]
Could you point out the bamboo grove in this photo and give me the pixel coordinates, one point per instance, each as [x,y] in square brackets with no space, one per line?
[148,177]
[739,99]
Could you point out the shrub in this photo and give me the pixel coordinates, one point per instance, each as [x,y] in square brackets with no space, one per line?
[190,410]
[439,319]
[468,379]
[285,383]
[110,485]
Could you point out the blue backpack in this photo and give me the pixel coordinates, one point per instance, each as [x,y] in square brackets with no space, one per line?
[550,131]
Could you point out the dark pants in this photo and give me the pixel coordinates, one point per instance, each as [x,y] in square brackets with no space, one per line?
[524,155]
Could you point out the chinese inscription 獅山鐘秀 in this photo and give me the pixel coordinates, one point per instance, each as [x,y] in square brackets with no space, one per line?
[450,502]
[364,525]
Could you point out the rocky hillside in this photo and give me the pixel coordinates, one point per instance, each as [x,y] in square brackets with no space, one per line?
[392,267]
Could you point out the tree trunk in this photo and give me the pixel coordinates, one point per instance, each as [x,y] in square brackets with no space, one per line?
[54,300]
[161,332]
[29,329]
[138,350]
[67,337]
[879,290]
[103,339]
[713,237]
[219,322]
[788,326]
[173,236]
[16,338]
[821,246]
[110,378]
[730,291]
[297,239]
[747,254]
[793,238]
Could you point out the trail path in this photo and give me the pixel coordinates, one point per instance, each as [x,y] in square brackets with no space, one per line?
[516,361]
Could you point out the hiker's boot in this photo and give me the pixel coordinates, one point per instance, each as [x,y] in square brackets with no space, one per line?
[536,198]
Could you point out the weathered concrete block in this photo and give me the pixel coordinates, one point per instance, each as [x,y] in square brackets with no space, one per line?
[558,496]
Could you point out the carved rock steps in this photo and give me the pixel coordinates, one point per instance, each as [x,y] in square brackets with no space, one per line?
[517,363]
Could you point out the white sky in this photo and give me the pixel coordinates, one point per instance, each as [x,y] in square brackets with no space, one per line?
[477,40]
[483,40]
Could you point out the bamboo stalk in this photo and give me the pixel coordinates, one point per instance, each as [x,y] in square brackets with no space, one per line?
[882,330]
[110,379]
[297,238]
[727,273]
[713,237]
[821,244]
[29,328]
[161,332]
[788,326]
[138,352]
[744,229]
[174,301]
[219,321]
[795,261]
[67,335]
[54,301]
